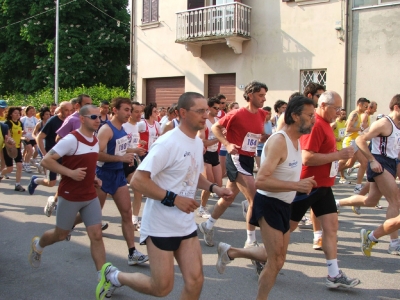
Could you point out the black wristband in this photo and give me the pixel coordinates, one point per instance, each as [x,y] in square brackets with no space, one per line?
[211,187]
[169,199]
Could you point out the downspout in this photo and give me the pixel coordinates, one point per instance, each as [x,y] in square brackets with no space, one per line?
[346,57]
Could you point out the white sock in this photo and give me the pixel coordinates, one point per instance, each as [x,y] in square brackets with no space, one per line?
[135,219]
[37,180]
[251,236]
[358,185]
[372,237]
[210,223]
[317,234]
[394,242]
[113,277]
[17,183]
[38,248]
[333,268]
[98,275]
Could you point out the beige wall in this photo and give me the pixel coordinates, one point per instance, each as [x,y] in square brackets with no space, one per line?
[285,38]
[375,55]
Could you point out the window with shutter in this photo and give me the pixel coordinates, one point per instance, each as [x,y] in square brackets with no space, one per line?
[150,11]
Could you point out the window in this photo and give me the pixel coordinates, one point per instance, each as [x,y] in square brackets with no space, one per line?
[150,11]
[307,76]
[362,3]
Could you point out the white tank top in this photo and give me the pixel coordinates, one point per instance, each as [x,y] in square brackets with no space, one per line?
[211,135]
[388,146]
[289,170]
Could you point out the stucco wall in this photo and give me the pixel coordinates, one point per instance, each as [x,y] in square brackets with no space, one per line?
[375,55]
[285,38]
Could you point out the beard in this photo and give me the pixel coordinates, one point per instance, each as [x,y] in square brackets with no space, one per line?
[303,129]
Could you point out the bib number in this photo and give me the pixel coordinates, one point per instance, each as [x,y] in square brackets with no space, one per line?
[334,168]
[121,145]
[342,132]
[250,142]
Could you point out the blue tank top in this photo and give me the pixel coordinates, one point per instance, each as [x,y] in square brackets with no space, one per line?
[117,145]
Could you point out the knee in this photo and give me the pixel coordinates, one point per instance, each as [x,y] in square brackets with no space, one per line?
[62,236]
[276,263]
[195,283]
[162,289]
[52,183]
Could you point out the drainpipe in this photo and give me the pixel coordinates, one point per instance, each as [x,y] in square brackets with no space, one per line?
[346,57]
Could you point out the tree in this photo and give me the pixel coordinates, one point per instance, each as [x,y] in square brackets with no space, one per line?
[93,46]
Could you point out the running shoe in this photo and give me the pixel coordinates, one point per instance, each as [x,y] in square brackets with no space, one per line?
[19,188]
[208,234]
[344,181]
[356,210]
[104,284]
[104,226]
[203,212]
[357,189]
[34,255]
[317,244]
[341,281]
[395,250]
[349,171]
[378,206]
[366,243]
[137,225]
[223,258]
[305,222]
[137,258]
[245,208]
[252,245]
[337,206]
[68,238]
[50,206]
[28,168]
[32,185]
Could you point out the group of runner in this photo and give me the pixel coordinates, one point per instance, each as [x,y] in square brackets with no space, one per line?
[297,168]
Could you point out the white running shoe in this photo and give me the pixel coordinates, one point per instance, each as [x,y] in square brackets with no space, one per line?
[203,212]
[50,206]
[137,258]
[223,258]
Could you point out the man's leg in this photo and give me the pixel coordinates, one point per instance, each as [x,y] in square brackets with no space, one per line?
[362,168]
[276,244]
[189,259]
[358,200]
[329,223]
[96,245]
[53,236]
[123,202]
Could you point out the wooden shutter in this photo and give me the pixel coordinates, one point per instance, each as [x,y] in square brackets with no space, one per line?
[164,91]
[222,84]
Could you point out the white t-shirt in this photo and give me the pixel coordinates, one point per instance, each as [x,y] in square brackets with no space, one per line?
[68,145]
[133,134]
[29,125]
[163,120]
[175,163]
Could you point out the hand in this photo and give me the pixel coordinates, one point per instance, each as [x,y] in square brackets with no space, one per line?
[140,151]
[9,141]
[143,143]
[376,166]
[185,204]
[97,183]
[78,174]
[223,192]
[346,153]
[305,185]
[232,149]
[127,158]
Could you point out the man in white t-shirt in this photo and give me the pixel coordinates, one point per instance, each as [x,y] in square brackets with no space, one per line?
[170,176]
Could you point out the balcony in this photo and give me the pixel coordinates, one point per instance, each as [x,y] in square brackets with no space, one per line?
[226,23]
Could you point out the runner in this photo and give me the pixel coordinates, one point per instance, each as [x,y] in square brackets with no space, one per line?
[169,176]
[29,122]
[149,128]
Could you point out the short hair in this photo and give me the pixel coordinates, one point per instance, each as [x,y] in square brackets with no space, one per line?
[172,108]
[43,110]
[80,98]
[104,102]
[161,108]
[85,109]
[267,108]
[395,101]
[186,100]
[118,101]
[11,109]
[29,107]
[278,104]
[295,94]
[362,100]
[220,96]
[327,97]
[296,107]
[312,88]
[135,103]
[148,110]
[372,103]
[73,101]
[253,87]
[53,104]
[211,101]
[232,104]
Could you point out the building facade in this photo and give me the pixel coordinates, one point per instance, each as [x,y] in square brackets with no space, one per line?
[218,46]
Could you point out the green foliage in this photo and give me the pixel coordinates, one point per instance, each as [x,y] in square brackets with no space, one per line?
[97,93]
[93,47]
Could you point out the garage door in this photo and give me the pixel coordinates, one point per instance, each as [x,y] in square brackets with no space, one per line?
[222,84]
[164,91]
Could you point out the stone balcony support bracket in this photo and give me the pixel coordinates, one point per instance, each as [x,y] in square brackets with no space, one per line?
[235,44]
[194,48]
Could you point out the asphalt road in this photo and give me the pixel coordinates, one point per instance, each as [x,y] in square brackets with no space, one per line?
[67,270]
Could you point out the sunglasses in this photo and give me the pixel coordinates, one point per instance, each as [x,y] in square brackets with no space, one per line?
[93,117]
[216,108]
[222,102]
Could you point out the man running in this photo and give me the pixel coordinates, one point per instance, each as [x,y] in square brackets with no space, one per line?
[79,151]
[170,176]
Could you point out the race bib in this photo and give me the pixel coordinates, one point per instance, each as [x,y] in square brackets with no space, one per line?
[214,147]
[250,142]
[342,132]
[121,145]
[334,168]
[152,139]
[135,140]
[397,142]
